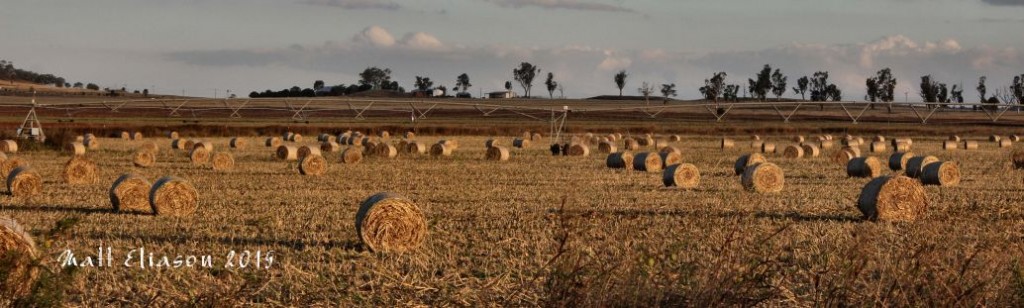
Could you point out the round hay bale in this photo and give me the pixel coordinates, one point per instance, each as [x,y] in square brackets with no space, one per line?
[323,137]
[660,143]
[177,144]
[521,143]
[954,138]
[536,137]
[352,155]
[313,165]
[915,165]
[190,144]
[526,135]
[331,147]
[75,148]
[130,193]
[204,144]
[9,146]
[150,147]
[125,135]
[172,196]
[417,148]
[727,143]
[994,138]
[9,164]
[681,175]
[624,160]
[768,148]
[763,178]
[949,145]
[843,156]
[385,150]
[1014,138]
[606,147]
[384,134]
[24,182]
[898,160]
[756,144]
[825,144]
[670,158]
[346,140]
[1017,158]
[644,141]
[647,161]
[389,223]
[238,143]
[173,135]
[453,144]
[671,149]
[908,141]
[675,138]
[755,138]
[578,149]
[199,156]
[970,145]
[491,142]
[439,149]
[222,161]
[143,159]
[137,136]
[901,146]
[748,160]
[793,151]
[877,147]
[18,251]
[810,150]
[91,143]
[497,153]
[295,138]
[287,153]
[864,167]
[370,147]
[943,173]
[879,138]
[273,142]
[308,150]
[90,136]
[892,198]
[1005,143]
[81,171]
[410,135]
[798,138]
[630,144]
[556,149]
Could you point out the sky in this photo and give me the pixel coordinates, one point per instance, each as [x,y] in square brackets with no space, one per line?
[207,47]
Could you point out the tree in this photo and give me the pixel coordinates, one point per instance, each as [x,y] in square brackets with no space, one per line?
[145,92]
[92,86]
[78,85]
[620,80]
[668,90]
[524,75]
[714,87]
[377,78]
[819,87]
[7,70]
[731,92]
[981,88]
[551,84]
[872,91]
[462,83]
[833,93]
[759,88]
[942,95]
[801,87]
[317,85]
[423,83]
[929,89]
[778,84]
[1017,88]
[881,88]
[646,90]
[508,86]
[956,94]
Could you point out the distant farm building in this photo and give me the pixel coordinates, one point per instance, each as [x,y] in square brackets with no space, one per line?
[501,94]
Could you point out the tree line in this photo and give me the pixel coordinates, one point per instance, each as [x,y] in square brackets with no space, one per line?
[10,73]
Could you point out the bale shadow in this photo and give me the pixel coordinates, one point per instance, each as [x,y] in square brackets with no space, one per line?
[634,213]
[64,209]
[294,244]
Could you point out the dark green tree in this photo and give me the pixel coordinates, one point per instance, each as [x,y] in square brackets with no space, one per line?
[377,78]
[524,75]
[423,83]
[668,90]
[778,84]
[760,87]
[462,83]
[620,80]
[551,84]
[801,87]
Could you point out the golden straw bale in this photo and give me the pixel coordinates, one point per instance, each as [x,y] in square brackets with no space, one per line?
[306,150]
[222,161]
[898,160]
[143,159]
[892,198]
[81,171]
[24,182]
[793,151]
[75,148]
[681,175]
[916,165]
[352,155]
[864,167]
[287,153]
[647,161]
[313,165]
[943,173]
[497,153]
[763,178]
[390,223]
[18,251]
[748,160]
[238,143]
[130,193]
[622,160]
[172,196]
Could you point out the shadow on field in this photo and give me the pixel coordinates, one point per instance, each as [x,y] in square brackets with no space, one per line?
[64,209]
[243,243]
[633,213]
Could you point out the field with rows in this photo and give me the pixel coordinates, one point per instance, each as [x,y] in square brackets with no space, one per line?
[533,230]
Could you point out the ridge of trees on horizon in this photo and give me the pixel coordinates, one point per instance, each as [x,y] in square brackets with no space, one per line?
[10,73]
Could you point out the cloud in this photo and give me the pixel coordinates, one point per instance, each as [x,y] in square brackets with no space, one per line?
[421,41]
[357,4]
[561,4]
[375,36]
[1004,2]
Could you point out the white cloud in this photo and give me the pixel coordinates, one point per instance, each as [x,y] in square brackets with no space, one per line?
[357,4]
[375,36]
[421,41]
[561,4]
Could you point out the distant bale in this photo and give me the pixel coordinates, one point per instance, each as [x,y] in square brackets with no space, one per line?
[901,146]
[410,135]
[681,175]
[675,138]
[9,164]
[825,144]
[177,144]
[1017,158]
[660,143]
[295,138]
[313,165]
[1014,138]
[892,198]
[727,143]
[417,148]
[644,141]
[90,136]
[144,159]
[879,138]
[757,144]
[19,255]
[763,178]
[612,138]
[173,135]
[1005,143]
[204,144]
[222,161]
[755,137]
[91,143]
[75,148]
[497,153]
[877,147]
[137,136]
[970,145]
[81,171]
[943,173]
[491,142]
[287,153]
[647,161]
[954,138]
[994,138]
[793,152]
[125,135]
[352,155]
[916,164]
[384,134]
[190,144]
[843,156]
[385,150]
[331,147]
[578,149]
[199,156]
[949,145]
[768,148]
[536,137]
[748,160]
[671,149]
[306,150]
[8,146]
[24,182]
[238,143]
[526,135]
[370,147]
[172,196]
[898,160]
[810,150]
[606,147]
[521,143]
[324,137]
[895,141]
[624,160]
[669,158]
[864,167]
[798,138]
[630,144]
[273,142]
[389,223]
[130,193]
[439,149]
